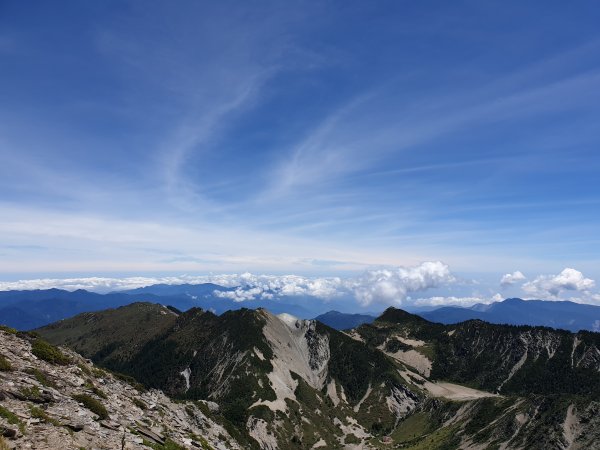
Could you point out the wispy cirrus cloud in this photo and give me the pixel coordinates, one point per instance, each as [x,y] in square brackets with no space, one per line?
[370,128]
[263,137]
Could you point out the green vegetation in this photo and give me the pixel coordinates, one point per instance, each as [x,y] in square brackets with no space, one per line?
[98,373]
[110,335]
[547,370]
[139,403]
[4,364]
[39,413]
[442,439]
[357,366]
[41,377]
[352,439]
[31,392]
[412,428]
[49,353]
[200,440]
[487,410]
[499,348]
[92,404]
[427,350]
[11,418]
[393,345]
[8,329]
[97,391]
[127,379]
[85,369]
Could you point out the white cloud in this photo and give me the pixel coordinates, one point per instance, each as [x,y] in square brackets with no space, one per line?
[553,285]
[386,285]
[512,278]
[97,284]
[240,294]
[266,286]
[391,286]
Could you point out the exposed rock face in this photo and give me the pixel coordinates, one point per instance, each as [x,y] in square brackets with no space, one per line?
[38,410]
[297,348]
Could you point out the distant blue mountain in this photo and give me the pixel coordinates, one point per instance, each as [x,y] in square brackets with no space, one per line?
[25,310]
[343,321]
[556,314]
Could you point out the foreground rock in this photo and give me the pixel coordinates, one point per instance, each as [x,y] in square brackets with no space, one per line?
[70,404]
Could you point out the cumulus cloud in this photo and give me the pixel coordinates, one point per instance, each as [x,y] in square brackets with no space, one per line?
[512,278]
[249,286]
[391,286]
[385,285]
[553,285]
[240,294]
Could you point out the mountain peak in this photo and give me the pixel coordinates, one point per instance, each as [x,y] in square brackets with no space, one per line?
[398,316]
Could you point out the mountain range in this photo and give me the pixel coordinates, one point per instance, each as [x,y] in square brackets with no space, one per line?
[556,314]
[398,382]
[344,321]
[25,310]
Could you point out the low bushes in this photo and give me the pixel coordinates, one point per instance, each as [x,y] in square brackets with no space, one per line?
[48,352]
[4,364]
[92,404]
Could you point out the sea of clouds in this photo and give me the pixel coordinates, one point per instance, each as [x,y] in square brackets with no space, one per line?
[388,285]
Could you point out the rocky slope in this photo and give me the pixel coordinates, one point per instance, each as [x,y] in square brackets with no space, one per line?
[55,399]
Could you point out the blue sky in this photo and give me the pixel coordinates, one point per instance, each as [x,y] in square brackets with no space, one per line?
[315,138]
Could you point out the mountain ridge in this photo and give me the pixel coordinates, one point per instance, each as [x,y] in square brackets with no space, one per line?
[371,383]
[343,321]
[515,311]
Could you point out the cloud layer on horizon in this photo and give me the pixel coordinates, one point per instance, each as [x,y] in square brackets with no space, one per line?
[378,286]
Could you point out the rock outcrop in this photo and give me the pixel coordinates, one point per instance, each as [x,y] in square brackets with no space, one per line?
[51,402]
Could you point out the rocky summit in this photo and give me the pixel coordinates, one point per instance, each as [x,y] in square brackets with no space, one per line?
[55,399]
